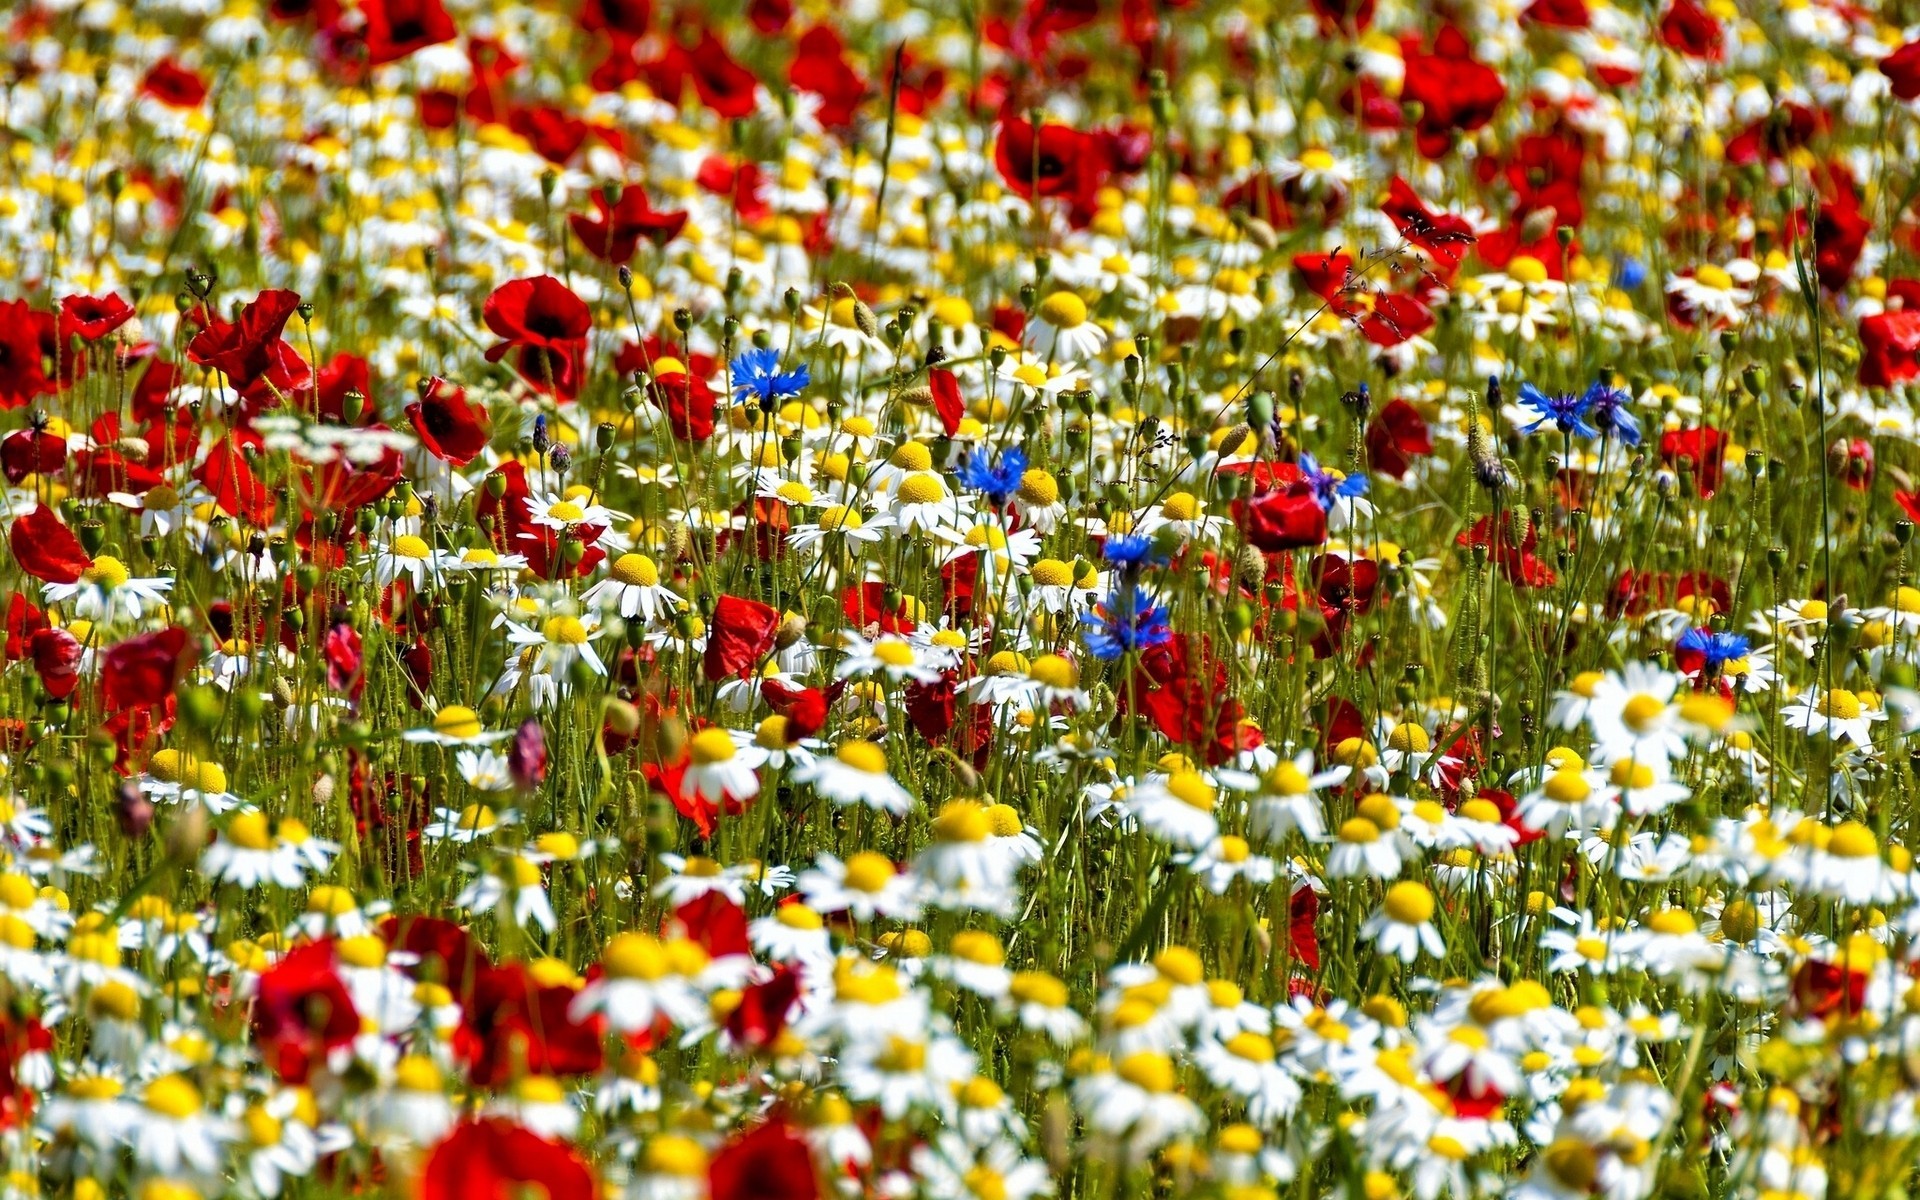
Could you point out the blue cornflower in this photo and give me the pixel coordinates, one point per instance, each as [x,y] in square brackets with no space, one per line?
[998,479]
[1132,553]
[757,376]
[1564,410]
[1127,620]
[1715,649]
[1607,409]
[1329,486]
[1633,273]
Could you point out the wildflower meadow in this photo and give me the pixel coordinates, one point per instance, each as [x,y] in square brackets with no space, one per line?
[959,599]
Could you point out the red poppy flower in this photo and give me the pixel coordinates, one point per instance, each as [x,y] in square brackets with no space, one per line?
[1840,232]
[615,232]
[820,67]
[23,621]
[23,357]
[1053,162]
[554,133]
[1518,562]
[804,708]
[1441,234]
[630,17]
[91,318]
[761,1016]
[544,326]
[770,16]
[56,659]
[514,1025]
[1303,910]
[739,635]
[327,399]
[245,350]
[1889,348]
[1903,68]
[396,28]
[1689,29]
[27,452]
[174,85]
[1705,448]
[1328,276]
[1559,14]
[1821,990]
[688,403]
[1396,316]
[945,386]
[770,1162]
[491,1158]
[1285,518]
[303,1011]
[1181,686]
[1396,436]
[45,548]
[716,924]
[453,428]
[1456,92]
[144,670]
[445,953]
[723,85]
[236,489]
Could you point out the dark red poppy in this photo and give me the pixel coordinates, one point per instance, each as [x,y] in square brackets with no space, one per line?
[396,28]
[1822,990]
[769,1162]
[1689,29]
[303,1011]
[244,350]
[544,326]
[1889,348]
[143,670]
[23,357]
[630,17]
[453,428]
[615,231]
[91,318]
[491,1158]
[513,1025]
[740,633]
[45,548]
[27,452]
[761,1016]
[1903,68]
[24,620]
[1559,14]
[1303,911]
[174,85]
[1456,92]
[1839,232]
[820,67]
[770,16]
[1396,436]
[445,953]
[56,659]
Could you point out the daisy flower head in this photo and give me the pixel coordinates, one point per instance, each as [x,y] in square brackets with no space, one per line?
[1062,328]
[856,773]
